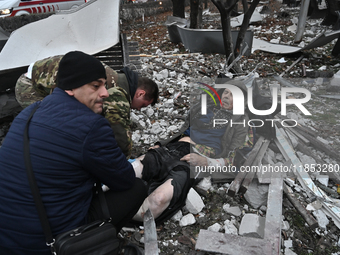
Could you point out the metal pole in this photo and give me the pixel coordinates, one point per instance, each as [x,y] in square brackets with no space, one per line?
[302,20]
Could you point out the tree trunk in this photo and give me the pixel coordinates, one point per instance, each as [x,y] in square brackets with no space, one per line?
[225,10]
[245,6]
[205,4]
[178,8]
[244,27]
[196,14]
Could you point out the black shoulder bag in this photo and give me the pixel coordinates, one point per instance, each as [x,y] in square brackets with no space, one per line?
[98,237]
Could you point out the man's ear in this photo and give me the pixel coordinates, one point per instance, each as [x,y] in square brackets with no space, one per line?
[70,92]
[140,93]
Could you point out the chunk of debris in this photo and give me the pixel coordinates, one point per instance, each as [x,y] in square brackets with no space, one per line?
[194,203]
[321,218]
[252,225]
[215,227]
[178,216]
[187,219]
[230,228]
[257,194]
[234,210]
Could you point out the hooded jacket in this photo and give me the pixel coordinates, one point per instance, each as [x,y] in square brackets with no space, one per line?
[70,147]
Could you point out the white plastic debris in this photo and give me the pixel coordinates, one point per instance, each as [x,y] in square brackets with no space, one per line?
[187,220]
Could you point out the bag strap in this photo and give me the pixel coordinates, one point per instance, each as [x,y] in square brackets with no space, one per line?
[103,202]
[34,187]
[36,194]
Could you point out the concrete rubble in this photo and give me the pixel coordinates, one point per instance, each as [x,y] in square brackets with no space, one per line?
[194,203]
[252,225]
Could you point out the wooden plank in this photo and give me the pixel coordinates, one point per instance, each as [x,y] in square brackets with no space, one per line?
[297,134]
[272,229]
[257,162]
[266,178]
[231,244]
[299,207]
[235,185]
[323,147]
[306,150]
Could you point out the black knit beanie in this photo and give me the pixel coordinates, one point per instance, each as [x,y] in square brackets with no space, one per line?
[77,69]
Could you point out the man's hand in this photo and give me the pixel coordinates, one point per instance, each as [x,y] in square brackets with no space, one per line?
[154,147]
[187,139]
[195,159]
[138,167]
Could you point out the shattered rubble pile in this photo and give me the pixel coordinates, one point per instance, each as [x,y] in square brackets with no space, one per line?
[305,227]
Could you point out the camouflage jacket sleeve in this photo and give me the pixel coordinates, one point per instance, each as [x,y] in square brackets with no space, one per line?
[44,75]
[117,112]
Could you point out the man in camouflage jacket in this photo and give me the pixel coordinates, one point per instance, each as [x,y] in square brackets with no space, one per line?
[126,91]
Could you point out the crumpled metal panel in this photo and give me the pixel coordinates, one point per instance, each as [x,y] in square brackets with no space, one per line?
[91,28]
[210,40]
[318,41]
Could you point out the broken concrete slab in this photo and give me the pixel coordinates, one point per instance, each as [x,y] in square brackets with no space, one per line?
[257,194]
[252,225]
[274,214]
[231,244]
[194,202]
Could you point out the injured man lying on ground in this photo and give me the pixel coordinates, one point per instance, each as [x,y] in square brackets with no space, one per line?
[170,167]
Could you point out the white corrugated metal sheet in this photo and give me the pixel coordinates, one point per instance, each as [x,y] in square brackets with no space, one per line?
[91,28]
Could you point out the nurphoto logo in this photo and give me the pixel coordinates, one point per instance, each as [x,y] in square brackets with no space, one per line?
[239,103]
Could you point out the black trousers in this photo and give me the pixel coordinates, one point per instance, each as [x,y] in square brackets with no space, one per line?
[123,205]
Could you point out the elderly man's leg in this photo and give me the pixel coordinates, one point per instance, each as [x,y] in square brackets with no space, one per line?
[157,201]
[167,195]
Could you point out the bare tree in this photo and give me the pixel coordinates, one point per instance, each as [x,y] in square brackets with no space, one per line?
[178,8]
[225,8]
[196,9]
[244,27]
